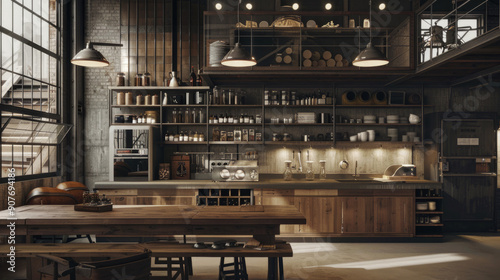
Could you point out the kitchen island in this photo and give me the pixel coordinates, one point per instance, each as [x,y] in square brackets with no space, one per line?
[341,206]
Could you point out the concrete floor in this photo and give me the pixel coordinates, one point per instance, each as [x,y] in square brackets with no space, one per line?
[471,257]
[458,257]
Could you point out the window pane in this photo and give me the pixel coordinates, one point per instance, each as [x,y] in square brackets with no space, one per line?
[18,19]
[45,8]
[7,14]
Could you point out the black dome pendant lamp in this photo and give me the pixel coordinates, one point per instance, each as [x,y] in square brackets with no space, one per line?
[238,56]
[370,56]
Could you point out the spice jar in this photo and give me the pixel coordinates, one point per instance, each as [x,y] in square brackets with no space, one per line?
[120,98]
[138,80]
[120,79]
[147,100]
[129,98]
[139,100]
[146,79]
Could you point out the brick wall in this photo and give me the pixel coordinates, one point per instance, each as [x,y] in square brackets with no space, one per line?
[102,24]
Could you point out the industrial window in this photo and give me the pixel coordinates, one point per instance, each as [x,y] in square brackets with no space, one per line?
[30,43]
[435,41]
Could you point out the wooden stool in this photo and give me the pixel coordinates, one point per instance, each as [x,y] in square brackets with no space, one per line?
[175,267]
[238,271]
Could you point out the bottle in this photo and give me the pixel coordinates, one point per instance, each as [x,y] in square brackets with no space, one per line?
[230,98]
[181,136]
[216,119]
[166,136]
[242,119]
[179,116]
[225,118]
[309,170]
[173,81]
[199,81]
[287,175]
[201,116]
[216,97]
[223,98]
[201,137]
[187,116]
[192,77]
[196,136]
[230,119]
[322,170]
[190,136]
[193,116]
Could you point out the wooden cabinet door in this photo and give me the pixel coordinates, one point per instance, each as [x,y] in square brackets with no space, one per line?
[355,215]
[394,215]
[319,213]
[280,200]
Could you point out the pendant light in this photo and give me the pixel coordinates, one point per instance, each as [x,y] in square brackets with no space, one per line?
[90,57]
[238,56]
[370,56]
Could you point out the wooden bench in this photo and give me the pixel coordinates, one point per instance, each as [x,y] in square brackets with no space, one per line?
[174,250]
[72,250]
[158,249]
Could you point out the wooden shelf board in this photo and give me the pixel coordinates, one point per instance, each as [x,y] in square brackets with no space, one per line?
[185,143]
[239,106]
[235,124]
[428,212]
[428,197]
[378,124]
[181,124]
[428,235]
[159,88]
[429,225]
[299,143]
[135,106]
[236,142]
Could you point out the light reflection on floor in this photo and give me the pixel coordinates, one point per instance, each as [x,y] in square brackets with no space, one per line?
[303,248]
[399,262]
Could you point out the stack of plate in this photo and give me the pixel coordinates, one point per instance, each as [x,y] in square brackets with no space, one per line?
[393,134]
[392,119]
[369,119]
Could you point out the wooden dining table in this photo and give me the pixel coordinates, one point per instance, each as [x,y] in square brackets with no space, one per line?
[261,221]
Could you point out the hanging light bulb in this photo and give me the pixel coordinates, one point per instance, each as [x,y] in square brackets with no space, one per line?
[295,6]
[238,56]
[328,6]
[381,6]
[218,6]
[370,56]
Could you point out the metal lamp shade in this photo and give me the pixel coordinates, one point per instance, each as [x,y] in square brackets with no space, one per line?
[238,57]
[370,57]
[89,57]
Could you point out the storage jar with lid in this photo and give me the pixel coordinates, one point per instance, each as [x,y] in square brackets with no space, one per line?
[146,79]
[120,98]
[120,79]
[129,98]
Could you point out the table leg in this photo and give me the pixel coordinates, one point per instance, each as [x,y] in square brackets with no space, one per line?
[265,239]
[272,269]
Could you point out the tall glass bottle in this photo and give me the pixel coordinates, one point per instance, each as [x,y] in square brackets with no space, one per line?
[309,170]
[174,115]
[322,170]
[287,175]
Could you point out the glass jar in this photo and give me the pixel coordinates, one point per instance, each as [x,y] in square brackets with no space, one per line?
[322,169]
[309,170]
[287,175]
[138,80]
[146,79]
[139,100]
[120,79]
[147,99]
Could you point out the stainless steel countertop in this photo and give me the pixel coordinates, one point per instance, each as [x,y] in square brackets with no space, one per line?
[268,182]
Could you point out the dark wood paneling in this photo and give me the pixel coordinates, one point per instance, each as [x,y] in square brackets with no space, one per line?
[468,198]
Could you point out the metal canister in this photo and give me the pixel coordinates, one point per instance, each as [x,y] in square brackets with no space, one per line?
[129,98]
[147,100]
[156,99]
[120,98]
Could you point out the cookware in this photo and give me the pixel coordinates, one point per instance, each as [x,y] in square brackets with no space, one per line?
[344,164]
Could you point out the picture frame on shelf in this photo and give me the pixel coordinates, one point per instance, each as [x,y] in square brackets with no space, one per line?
[397,97]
